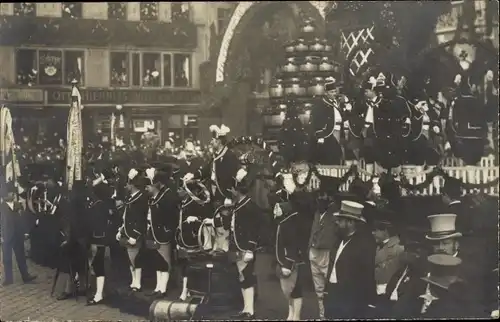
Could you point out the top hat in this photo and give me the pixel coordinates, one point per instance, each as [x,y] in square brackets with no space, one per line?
[351,210]
[443,270]
[442,227]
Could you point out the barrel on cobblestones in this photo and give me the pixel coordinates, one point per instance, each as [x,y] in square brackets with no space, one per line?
[221,277]
[165,310]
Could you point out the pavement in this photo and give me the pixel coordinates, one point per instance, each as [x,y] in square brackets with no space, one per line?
[33,301]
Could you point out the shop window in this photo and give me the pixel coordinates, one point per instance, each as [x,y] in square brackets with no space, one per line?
[71,10]
[26,9]
[136,69]
[183,127]
[50,65]
[151,66]
[73,66]
[117,10]
[149,11]
[180,11]
[167,70]
[119,69]
[182,70]
[223,17]
[26,67]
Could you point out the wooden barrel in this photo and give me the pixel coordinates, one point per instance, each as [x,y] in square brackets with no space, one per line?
[225,291]
[165,310]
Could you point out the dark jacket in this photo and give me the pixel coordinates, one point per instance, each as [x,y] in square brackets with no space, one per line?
[246,229]
[164,211]
[135,215]
[355,289]
[186,234]
[323,230]
[387,260]
[226,167]
[99,222]
[289,240]
[11,223]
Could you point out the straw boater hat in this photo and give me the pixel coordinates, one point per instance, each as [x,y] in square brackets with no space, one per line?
[351,210]
[442,227]
[443,270]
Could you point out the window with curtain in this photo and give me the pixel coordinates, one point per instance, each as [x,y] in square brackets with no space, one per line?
[151,69]
[182,70]
[73,66]
[119,64]
[180,11]
[26,67]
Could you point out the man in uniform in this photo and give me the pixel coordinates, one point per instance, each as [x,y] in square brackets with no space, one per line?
[131,233]
[162,222]
[244,236]
[221,170]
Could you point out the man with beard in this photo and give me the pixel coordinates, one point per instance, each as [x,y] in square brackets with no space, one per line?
[131,233]
[162,221]
[351,289]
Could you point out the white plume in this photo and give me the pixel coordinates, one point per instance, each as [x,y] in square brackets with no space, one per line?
[132,174]
[150,173]
[288,182]
[224,130]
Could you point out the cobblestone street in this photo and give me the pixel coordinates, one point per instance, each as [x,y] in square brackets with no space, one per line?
[33,301]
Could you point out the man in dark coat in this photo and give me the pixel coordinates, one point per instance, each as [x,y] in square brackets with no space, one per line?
[221,170]
[12,232]
[351,292]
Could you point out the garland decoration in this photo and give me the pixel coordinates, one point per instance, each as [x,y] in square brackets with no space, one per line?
[439,172]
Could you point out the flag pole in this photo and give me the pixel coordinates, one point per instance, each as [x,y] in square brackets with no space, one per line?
[74,141]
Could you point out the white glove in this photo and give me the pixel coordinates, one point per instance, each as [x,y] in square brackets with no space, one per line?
[132,241]
[348,107]
[321,140]
[118,236]
[119,203]
[37,222]
[436,129]
[381,289]
[208,221]
[346,124]
[447,146]
[285,272]
[407,120]
[495,314]
[191,219]
[189,176]
[247,257]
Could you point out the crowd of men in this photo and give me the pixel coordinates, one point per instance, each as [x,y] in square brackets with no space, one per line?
[363,264]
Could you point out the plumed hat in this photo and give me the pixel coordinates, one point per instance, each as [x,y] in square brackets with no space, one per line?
[137,178]
[219,132]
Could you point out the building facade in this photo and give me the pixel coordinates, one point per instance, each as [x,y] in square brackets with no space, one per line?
[138,61]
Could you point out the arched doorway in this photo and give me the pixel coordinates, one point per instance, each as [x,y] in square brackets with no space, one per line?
[250,51]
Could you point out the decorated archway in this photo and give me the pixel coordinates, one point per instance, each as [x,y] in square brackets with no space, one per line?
[246,11]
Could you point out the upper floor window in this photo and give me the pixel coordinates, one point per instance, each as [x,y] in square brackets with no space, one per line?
[73,66]
[119,69]
[180,11]
[49,66]
[150,69]
[223,16]
[149,11]
[72,10]
[182,70]
[25,9]
[117,10]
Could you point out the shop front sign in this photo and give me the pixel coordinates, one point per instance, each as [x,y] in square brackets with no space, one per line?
[123,97]
[21,95]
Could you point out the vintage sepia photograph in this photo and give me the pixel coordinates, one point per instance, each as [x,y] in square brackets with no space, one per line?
[249,160]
